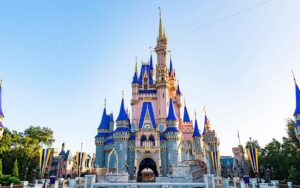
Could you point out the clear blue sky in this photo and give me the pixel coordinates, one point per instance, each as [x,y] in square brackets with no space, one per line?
[60,59]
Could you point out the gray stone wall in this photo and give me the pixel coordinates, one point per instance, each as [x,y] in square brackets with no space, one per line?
[121,148]
[131,158]
[164,158]
[100,156]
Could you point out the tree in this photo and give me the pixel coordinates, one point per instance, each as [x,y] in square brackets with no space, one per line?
[0,168]
[252,143]
[291,133]
[293,174]
[43,135]
[16,169]
[25,147]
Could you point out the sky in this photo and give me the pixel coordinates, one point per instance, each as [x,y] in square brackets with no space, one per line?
[59,60]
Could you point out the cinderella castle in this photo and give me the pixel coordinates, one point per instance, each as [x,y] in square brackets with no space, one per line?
[156,137]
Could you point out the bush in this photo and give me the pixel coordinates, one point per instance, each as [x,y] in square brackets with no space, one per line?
[8,179]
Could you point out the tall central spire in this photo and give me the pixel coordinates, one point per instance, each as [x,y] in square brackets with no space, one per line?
[161,32]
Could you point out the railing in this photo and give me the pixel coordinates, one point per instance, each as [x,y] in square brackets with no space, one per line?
[153,185]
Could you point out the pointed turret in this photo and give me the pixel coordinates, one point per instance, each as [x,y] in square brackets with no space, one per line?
[171,115]
[186,117]
[122,114]
[135,79]
[104,124]
[170,67]
[178,92]
[196,130]
[297,110]
[151,63]
[62,151]
[161,31]
[205,124]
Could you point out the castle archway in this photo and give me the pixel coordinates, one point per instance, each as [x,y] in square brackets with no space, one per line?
[147,170]
[113,152]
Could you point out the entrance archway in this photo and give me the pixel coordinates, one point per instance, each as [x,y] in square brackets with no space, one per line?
[147,170]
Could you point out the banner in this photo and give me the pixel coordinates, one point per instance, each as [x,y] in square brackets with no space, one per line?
[80,160]
[44,159]
[215,158]
[253,157]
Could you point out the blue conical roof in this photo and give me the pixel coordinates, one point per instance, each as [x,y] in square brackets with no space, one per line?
[1,112]
[135,78]
[186,117]
[151,62]
[171,67]
[104,124]
[297,110]
[122,114]
[205,123]
[196,130]
[171,115]
[178,92]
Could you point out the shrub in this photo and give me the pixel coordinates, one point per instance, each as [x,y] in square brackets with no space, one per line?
[8,179]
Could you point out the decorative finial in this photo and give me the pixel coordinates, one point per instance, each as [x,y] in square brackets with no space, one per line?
[122,93]
[170,52]
[184,101]
[204,110]
[0,83]
[150,50]
[195,114]
[135,68]
[159,11]
[104,102]
[294,77]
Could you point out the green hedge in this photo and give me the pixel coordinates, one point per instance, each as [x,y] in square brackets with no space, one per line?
[8,179]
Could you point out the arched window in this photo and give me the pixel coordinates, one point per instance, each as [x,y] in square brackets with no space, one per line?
[147,140]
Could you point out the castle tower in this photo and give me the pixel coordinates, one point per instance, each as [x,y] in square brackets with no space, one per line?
[162,75]
[187,125]
[297,111]
[1,112]
[173,135]
[135,96]
[101,138]
[211,145]
[121,136]
[197,140]
[206,125]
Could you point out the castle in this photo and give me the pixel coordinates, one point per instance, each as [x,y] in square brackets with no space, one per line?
[157,136]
